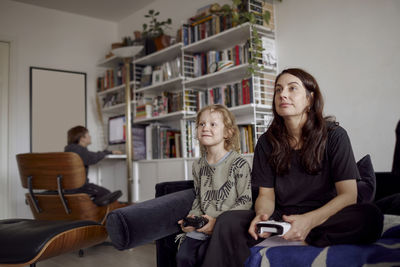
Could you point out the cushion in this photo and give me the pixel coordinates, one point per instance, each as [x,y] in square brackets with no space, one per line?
[366,185]
[21,240]
[149,220]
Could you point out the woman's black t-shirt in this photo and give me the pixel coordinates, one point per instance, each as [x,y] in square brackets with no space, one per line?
[297,192]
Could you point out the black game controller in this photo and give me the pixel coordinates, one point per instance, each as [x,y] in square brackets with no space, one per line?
[197,222]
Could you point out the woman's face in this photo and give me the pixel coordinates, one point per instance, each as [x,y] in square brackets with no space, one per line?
[291,99]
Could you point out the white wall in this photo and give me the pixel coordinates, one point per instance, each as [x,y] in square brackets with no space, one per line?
[352,49]
[46,38]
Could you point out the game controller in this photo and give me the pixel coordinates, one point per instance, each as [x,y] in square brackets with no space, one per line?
[273,227]
[197,222]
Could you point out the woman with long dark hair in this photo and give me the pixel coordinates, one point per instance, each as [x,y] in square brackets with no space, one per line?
[306,173]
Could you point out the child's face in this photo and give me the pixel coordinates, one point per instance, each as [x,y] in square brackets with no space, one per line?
[211,129]
[85,140]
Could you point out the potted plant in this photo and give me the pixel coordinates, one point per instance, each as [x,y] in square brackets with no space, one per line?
[153,32]
[240,14]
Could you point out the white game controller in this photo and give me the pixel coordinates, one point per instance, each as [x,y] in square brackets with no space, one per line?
[273,227]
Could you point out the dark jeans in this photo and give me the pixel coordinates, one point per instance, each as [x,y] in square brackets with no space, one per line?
[191,252]
[94,190]
[230,241]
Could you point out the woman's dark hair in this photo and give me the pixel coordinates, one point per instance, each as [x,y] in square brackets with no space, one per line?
[314,131]
[75,134]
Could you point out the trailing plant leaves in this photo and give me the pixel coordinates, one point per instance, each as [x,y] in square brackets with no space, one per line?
[267,16]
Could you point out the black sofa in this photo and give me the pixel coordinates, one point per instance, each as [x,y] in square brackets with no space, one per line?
[156,219]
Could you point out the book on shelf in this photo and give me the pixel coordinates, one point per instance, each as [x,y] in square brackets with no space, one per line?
[144,111]
[191,100]
[164,103]
[113,77]
[149,141]
[268,54]
[139,142]
[146,76]
[200,27]
[162,142]
[156,74]
[230,95]
[113,98]
[246,134]
[214,61]
[192,143]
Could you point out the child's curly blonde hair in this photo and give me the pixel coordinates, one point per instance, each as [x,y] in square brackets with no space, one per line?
[231,129]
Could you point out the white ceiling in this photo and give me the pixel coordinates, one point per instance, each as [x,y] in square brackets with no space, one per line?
[111,10]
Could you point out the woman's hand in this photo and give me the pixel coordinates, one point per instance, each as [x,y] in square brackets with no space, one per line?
[301,225]
[209,227]
[253,226]
[186,229]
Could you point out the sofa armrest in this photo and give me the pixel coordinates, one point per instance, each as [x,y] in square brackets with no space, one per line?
[386,184]
[172,187]
[147,221]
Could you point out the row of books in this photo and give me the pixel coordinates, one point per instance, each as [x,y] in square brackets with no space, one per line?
[213,61]
[205,23]
[113,77]
[230,95]
[204,27]
[246,135]
[165,103]
[157,141]
[156,74]
[162,142]
[112,99]
[247,141]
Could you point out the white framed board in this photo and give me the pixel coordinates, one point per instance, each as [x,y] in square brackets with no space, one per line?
[57,103]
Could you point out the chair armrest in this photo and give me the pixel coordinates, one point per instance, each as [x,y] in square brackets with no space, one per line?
[147,221]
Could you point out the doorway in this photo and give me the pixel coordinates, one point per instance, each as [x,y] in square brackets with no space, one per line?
[4,89]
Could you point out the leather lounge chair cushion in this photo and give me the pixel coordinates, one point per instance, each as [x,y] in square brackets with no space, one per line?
[22,239]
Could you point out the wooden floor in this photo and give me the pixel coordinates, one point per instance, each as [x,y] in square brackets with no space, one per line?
[106,255]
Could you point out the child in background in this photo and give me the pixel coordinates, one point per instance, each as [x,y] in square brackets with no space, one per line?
[221,180]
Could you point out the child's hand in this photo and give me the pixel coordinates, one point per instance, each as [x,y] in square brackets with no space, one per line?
[188,228]
[209,227]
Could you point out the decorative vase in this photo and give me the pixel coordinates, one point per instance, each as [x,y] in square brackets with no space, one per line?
[149,45]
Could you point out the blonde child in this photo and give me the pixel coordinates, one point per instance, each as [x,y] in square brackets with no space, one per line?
[221,180]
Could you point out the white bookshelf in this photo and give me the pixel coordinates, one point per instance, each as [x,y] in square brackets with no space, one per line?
[161,56]
[217,78]
[172,84]
[257,113]
[165,117]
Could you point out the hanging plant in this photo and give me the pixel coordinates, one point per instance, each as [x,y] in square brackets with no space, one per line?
[240,14]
